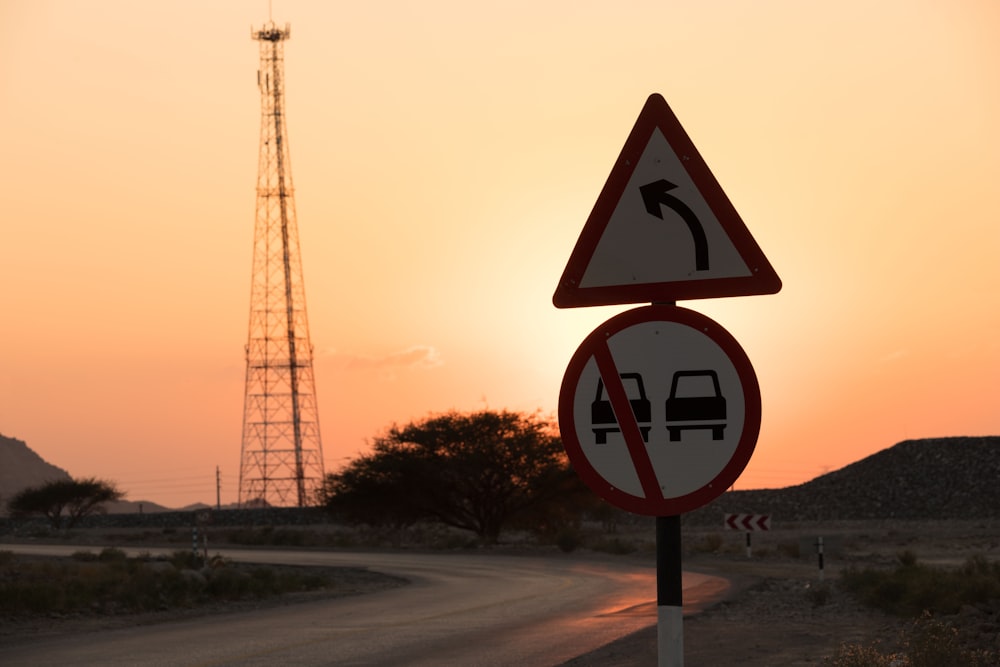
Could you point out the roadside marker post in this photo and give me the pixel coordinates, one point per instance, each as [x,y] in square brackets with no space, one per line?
[748,523]
[662,229]
[819,554]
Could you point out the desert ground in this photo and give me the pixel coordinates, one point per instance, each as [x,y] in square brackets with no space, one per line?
[780,608]
[781,611]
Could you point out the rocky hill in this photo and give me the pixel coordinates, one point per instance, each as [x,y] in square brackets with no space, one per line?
[20,467]
[940,478]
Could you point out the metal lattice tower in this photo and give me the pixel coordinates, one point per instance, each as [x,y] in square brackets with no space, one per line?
[281,462]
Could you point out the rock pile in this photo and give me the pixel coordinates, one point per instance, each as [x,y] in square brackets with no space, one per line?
[931,479]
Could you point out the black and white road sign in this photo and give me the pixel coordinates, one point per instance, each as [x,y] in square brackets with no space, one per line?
[662,228]
[659,410]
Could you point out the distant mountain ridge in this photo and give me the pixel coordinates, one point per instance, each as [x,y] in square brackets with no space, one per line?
[933,479]
[21,467]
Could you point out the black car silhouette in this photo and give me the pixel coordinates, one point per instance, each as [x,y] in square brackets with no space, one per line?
[602,416]
[696,402]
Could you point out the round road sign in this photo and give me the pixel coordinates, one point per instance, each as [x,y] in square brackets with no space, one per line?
[659,410]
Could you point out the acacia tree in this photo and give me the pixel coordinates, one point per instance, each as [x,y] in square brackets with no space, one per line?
[71,499]
[478,471]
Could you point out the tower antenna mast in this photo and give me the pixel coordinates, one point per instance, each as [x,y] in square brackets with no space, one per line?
[281,461]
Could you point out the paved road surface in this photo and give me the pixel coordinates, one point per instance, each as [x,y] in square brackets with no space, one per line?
[469,610]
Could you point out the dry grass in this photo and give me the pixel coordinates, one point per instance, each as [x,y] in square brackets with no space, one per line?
[111,583]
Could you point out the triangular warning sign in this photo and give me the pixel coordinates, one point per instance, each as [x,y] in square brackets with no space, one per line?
[662,228]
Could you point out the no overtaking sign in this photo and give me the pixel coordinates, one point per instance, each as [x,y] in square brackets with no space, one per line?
[659,410]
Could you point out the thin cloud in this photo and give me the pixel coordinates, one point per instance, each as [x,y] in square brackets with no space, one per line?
[417,357]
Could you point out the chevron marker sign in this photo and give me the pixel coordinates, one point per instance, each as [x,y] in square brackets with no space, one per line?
[748,522]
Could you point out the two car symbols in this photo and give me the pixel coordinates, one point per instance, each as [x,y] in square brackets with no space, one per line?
[695,402]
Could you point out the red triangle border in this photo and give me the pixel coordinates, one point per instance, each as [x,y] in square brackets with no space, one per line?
[656,113]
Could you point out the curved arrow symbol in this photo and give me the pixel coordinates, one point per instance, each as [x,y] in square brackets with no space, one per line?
[656,194]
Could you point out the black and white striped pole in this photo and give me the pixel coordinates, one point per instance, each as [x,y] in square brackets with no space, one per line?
[669,592]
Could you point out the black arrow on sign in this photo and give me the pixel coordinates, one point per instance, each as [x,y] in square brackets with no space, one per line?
[658,192]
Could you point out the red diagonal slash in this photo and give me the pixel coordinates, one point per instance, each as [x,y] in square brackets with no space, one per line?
[626,421]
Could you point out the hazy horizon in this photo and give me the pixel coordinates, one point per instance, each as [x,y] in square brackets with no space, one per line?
[445,159]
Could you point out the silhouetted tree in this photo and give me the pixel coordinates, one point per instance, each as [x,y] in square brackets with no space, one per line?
[478,471]
[71,499]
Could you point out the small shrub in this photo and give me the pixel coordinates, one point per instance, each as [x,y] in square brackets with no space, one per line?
[83,556]
[450,541]
[38,531]
[858,655]
[217,561]
[40,598]
[341,539]
[927,643]
[614,546]
[228,584]
[186,559]
[708,544]
[568,539]
[111,585]
[912,587]
[931,643]
[112,555]
[819,595]
[263,582]
[790,549]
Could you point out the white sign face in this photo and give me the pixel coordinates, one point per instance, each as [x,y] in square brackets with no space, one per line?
[660,410]
[639,247]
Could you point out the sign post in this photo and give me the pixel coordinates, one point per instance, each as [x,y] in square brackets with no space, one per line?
[669,591]
[659,408]
[748,523]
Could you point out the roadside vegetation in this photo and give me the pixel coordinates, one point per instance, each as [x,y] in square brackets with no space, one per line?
[109,582]
[947,606]
[912,588]
[482,472]
[64,501]
[586,534]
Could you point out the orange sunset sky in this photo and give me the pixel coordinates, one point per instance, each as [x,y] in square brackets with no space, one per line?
[445,157]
